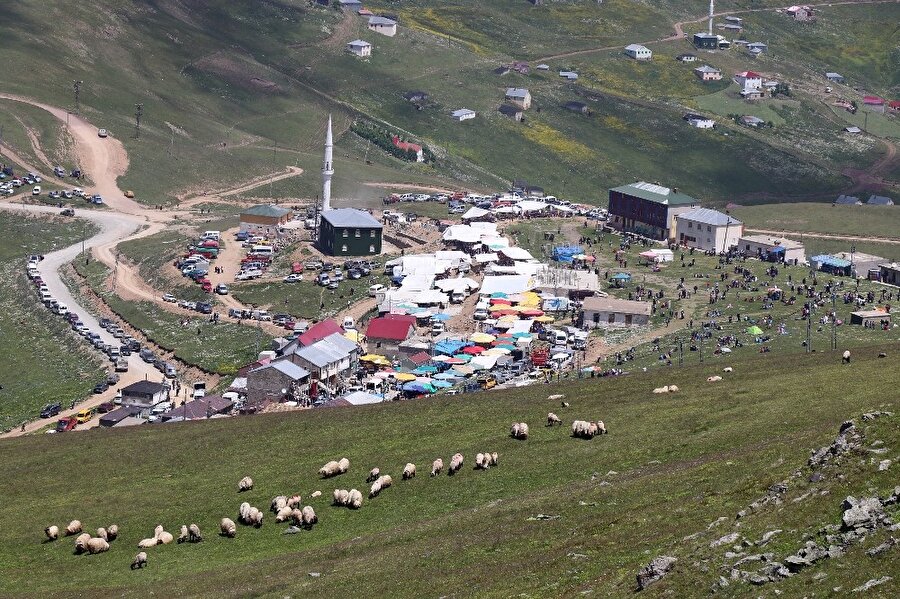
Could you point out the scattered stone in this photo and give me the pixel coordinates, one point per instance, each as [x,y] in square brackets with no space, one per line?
[816,477]
[882,548]
[291,530]
[861,513]
[839,446]
[611,473]
[544,517]
[882,355]
[576,555]
[800,498]
[655,570]
[758,579]
[893,497]
[732,555]
[768,536]
[315,574]
[778,489]
[723,582]
[742,514]
[819,576]
[717,521]
[835,551]
[756,557]
[692,537]
[729,538]
[605,483]
[795,563]
[874,415]
[872,583]
[877,442]
[884,465]
[879,450]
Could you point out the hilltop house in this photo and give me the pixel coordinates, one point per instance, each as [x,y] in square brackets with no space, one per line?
[686,58]
[757,47]
[708,73]
[360,48]
[264,219]
[800,13]
[275,380]
[638,52]
[577,107]
[611,311]
[513,112]
[701,122]
[835,77]
[875,200]
[144,394]
[706,41]
[748,120]
[327,359]
[890,273]
[383,25]
[874,103]
[647,209]
[570,75]
[463,114]
[773,249]
[707,230]
[349,232]
[518,96]
[846,200]
[407,146]
[751,84]
[353,5]
[385,333]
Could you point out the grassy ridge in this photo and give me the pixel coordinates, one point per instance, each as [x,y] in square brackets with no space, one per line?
[682,461]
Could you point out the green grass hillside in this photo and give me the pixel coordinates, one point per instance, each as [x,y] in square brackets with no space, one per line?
[671,466]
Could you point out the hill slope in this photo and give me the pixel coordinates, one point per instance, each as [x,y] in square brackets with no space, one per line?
[671,466]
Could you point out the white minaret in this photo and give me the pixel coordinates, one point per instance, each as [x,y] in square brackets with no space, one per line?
[327,169]
[712,10]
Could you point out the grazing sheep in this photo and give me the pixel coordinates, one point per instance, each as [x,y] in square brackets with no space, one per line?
[479,461]
[194,535]
[556,396]
[81,542]
[158,530]
[227,528]
[660,390]
[147,543]
[112,532]
[728,369]
[277,503]
[309,516]
[845,357]
[592,429]
[165,538]
[330,469]
[437,467]
[409,471]
[495,459]
[283,514]
[374,473]
[354,501]
[52,532]
[343,465]
[456,462]
[583,429]
[553,419]
[254,517]
[245,484]
[519,430]
[139,561]
[341,496]
[485,460]
[101,534]
[379,485]
[564,404]
[713,379]
[674,389]
[296,517]
[601,428]
[294,501]
[183,535]
[97,545]
[73,528]
[243,510]
[314,494]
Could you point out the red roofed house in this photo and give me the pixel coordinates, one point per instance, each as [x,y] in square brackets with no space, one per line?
[409,146]
[874,103]
[895,104]
[319,331]
[751,84]
[386,333]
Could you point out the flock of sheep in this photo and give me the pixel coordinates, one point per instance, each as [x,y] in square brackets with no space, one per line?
[288,508]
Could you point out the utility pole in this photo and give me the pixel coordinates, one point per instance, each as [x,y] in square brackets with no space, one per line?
[809,331]
[76,86]
[138,113]
[701,347]
[833,321]
[680,351]
[274,156]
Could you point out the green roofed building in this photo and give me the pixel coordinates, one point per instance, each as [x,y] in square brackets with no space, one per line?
[264,219]
[648,209]
[349,232]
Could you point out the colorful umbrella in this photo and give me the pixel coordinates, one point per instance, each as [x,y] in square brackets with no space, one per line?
[425,370]
[405,376]
[354,336]
[481,337]
[521,335]
[507,346]
[416,387]
[460,359]
[371,358]
[497,351]
[532,312]
[545,319]
[441,384]
[441,317]
[441,358]
[499,294]
[473,350]
[500,300]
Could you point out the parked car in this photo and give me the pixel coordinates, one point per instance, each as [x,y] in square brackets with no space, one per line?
[66,424]
[101,387]
[67,212]
[323,279]
[51,410]
[222,289]
[105,407]
[169,298]
[204,307]
[102,133]
[84,415]
[36,190]
[293,278]
[112,378]
[121,365]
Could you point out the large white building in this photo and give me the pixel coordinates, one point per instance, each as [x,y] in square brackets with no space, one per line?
[707,230]
[638,52]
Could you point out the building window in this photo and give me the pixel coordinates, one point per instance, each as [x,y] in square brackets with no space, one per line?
[708,229]
[372,233]
[690,225]
[356,234]
[371,249]
[346,232]
[343,248]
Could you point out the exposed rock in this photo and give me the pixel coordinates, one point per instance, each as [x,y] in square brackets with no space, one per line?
[795,563]
[884,465]
[872,583]
[742,514]
[716,522]
[778,489]
[874,415]
[882,548]
[291,530]
[729,538]
[756,557]
[834,551]
[819,576]
[839,446]
[315,574]
[893,497]
[816,477]
[861,513]
[768,536]
[758,579]
[655,570]
[723,582]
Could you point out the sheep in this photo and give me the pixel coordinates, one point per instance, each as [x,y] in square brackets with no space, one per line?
[73,528]
[296,517]
[52,532]
[354,501]
[674,389]
[601,428]
[183,535]
[660,390]
[409,471]
[147,543]
[139,561]
[245,484]
[112,532]
[277,503]
[479,461]
[456,463]
[97,545]
[243,510]
[379,485]
[227,528]
[314,494]
[374,473]
[101,534]
[330,469]
[592,429]
[564,404]
[437,467]
[81,542]
[728,369]
[254,517]
[294,501]
[583,429]
[494,458]
[309,516]
[283,514]
[713,379]
[553,419]
[343,465]
[485,460]
[165,538]
[519,430]
[341,496]
[194,535]
[556,396]
[845,357]
[158,530]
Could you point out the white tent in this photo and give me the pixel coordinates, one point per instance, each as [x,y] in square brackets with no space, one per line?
[517,253]
[359,398]
[508,284]
[460,284]
[526,206]
[485,258]
[475,212]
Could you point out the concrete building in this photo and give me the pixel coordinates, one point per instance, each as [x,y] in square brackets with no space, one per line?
[264,219]
[275,381]
[890,273]
[463,114]
[518,96]
[513,112]
[706,41]
[349,232]
[144,394]
[648,209]
[385,334]
[872,318]
[610,311]
[328,359]
[638,52]
[383,25]
[708,73]
[834,77]
[774,249]
[360,48]
[707,230]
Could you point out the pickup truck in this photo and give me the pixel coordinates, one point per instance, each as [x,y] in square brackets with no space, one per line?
[66,424]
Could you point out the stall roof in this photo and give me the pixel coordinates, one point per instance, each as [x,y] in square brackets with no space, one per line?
[508,284]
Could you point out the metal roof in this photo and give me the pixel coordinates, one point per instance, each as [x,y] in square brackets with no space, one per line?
[656,193]
[286,367]
[381,21]
[359,43]
[707,69]
[880,201]
[266,210]
[333,348]
[613,304]
[517,92]
[636,48]
[351,217]
[708,216]
[143,388]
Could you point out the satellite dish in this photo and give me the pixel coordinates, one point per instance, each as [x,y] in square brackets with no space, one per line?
[284,391]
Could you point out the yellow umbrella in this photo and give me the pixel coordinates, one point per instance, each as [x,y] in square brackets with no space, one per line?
[405,376]
[508,318]
[545,319]
[371,358]
[482,338]
[354,336]
[530,298]
[381,361]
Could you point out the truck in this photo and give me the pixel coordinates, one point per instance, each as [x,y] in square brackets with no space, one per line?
[199,390]
[66,424]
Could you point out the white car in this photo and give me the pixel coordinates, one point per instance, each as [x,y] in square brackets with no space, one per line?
[78,192]
[293,278]
[169,298]
[36,190]
[102,133]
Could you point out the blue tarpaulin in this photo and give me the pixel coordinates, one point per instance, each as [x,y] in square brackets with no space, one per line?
[565,253]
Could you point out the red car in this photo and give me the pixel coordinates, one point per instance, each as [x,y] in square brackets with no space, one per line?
[296,268]
[206,286]
[66,424]
[289,325]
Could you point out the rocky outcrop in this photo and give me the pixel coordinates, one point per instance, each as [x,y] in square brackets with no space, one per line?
[872,583]
[866,513]
[847,439]
[655,571]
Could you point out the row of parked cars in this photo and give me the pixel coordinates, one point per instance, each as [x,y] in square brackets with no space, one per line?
[331,275]
[201,307]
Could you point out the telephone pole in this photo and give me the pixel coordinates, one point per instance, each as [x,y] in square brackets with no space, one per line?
[76,86]
[138,113]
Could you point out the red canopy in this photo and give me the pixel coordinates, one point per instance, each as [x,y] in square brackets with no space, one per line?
[532,312]
[500,300]
[473,350]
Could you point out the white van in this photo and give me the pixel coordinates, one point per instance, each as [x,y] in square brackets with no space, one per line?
[262,250]
[559,337]
[211,235]
[60,308]
[376,289]
[349,323]
[457,297]
[46,297]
